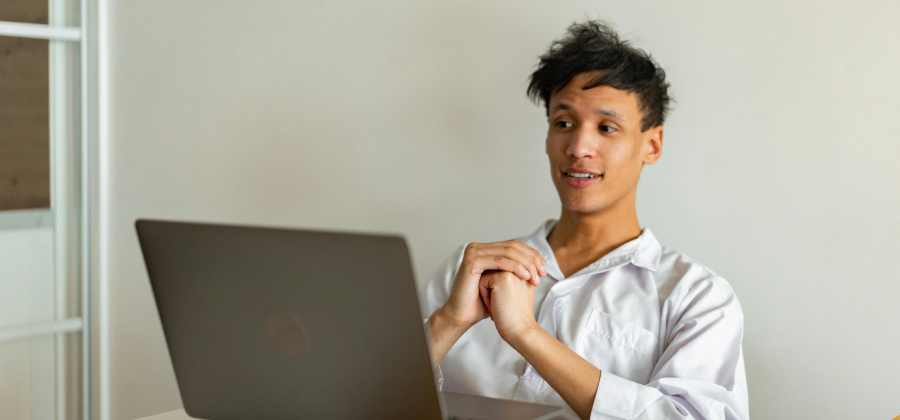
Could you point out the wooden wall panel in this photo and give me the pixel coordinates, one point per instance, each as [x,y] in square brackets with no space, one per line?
[24,123]
[28,11]
[24,111]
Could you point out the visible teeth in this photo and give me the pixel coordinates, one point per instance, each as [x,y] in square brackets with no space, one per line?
[580,175]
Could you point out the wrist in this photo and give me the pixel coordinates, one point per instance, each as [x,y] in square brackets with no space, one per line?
[518,337]
[444,316]
[443,332]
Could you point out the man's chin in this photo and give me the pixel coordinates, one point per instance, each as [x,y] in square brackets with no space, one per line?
[584,207]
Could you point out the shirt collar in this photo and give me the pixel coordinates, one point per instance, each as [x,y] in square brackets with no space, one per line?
[643,251]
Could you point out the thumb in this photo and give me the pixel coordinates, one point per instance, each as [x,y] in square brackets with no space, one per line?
[486,298]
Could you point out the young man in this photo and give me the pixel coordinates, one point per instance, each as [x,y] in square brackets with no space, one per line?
[590,311]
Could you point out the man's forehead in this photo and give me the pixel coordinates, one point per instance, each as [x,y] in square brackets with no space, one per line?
[608,110]
[603,99]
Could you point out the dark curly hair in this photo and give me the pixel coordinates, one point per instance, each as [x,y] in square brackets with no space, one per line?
[591,46]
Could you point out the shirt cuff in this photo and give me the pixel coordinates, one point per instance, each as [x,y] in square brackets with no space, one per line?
[439,378]
[438,375]
[616,398]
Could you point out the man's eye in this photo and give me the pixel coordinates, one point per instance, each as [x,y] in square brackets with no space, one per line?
[607,129]
[563,124]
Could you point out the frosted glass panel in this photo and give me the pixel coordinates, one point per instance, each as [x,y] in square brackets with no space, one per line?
[28,379]
[26,277]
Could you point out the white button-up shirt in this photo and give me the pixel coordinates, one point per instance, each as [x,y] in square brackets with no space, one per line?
[664,331]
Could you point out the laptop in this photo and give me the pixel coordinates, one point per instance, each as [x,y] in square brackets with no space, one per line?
[265,323]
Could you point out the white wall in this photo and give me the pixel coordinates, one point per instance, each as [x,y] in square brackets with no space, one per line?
[26,276]
[27,296]
[779,171]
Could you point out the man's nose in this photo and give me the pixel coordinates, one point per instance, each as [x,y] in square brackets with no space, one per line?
[582,144]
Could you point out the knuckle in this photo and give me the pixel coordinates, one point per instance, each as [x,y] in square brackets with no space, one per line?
[471,269]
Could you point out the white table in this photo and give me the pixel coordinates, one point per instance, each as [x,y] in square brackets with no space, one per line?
[171,415]
[181,415]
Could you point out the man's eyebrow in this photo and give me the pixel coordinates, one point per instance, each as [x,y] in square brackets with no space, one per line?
[560,106]
[603,111]
[610,113]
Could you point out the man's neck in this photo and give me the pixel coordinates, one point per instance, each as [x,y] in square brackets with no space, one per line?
[579,239]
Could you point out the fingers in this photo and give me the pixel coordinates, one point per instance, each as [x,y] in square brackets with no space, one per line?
[532,261]
[535,279]
[486,298]
[506,264]
[528,254]
[490,256]
[478,264]
[527,263]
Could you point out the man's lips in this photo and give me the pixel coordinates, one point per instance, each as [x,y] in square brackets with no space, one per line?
[575,169]
[580,178]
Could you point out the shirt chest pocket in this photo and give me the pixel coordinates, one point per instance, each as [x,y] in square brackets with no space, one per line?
[618,347]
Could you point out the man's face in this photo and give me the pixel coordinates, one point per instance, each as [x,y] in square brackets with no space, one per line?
[596,146]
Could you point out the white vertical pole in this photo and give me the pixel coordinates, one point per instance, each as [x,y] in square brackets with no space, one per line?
[60,108]
[85,248]
[61,130]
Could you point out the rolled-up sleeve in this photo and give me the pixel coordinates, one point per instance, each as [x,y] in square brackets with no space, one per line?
[700,373]
[438,375]
[437,291]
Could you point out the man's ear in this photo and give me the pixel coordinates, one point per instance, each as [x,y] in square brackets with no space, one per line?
[653,144]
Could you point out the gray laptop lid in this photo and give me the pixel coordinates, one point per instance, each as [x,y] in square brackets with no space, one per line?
[269,324]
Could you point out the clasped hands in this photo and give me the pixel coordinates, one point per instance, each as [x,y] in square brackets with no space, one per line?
[496,280]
